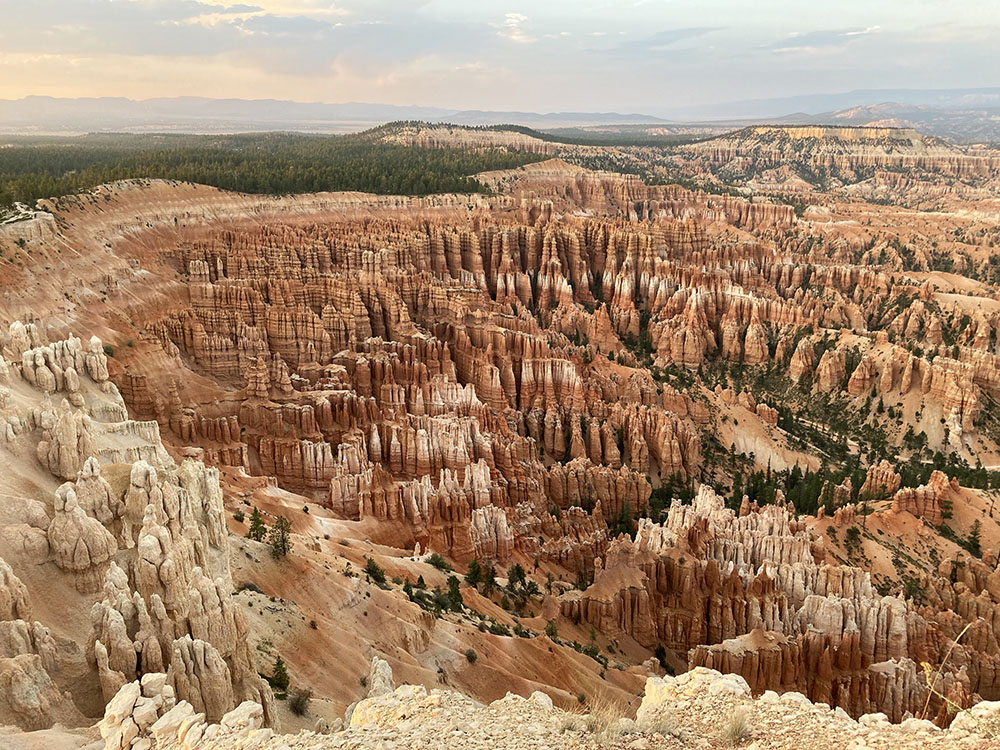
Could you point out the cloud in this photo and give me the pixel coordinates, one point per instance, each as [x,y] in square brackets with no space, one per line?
[824,42]
[513,29]
[660,44]
[364,35]
[863,32]
[664,39]
[486,54]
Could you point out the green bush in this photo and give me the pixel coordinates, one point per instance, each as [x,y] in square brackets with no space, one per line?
[439,562]
[298,701]
[374,572]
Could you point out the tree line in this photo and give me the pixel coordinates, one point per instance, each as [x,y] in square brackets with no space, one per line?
[275,163]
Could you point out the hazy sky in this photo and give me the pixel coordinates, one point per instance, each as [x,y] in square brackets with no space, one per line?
[542,55]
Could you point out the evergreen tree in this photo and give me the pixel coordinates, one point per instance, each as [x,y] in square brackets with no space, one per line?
[489,580]
[515,576]
[279,675]
[264,163]
[622,524]
[280,537]
[454,595]
[474,573]
[973,544]
[257,526]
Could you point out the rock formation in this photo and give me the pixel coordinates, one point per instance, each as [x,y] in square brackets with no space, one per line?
[79,543]
[514,378]
[746,595]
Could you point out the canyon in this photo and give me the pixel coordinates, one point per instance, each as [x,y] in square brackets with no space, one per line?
[749,434]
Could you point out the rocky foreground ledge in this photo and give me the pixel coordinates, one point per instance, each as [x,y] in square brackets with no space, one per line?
[699,709]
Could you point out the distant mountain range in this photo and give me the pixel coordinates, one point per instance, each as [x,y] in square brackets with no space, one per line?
[811,104]
[957,114]
[980,124]
[40,114]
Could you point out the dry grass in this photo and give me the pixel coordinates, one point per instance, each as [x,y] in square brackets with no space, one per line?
[736,728]
[602,720]
[663,725]
[572,723]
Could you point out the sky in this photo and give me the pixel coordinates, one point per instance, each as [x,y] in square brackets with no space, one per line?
[653,56]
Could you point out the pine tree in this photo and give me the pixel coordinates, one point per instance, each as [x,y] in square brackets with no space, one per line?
[257,526]
[489,580]
[454,595]
[279,676]
[474,573]
[280,537]
[974,544]
[515,576]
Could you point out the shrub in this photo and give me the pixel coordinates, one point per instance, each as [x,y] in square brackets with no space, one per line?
[470,656]
[550,629]
[736,729]
[239,516]
[497,628]
[439,562]
[374,572]
[298,701]
[661,725]
[313,625]
[249,586]
[441,600]
[109,350]
[572,723]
